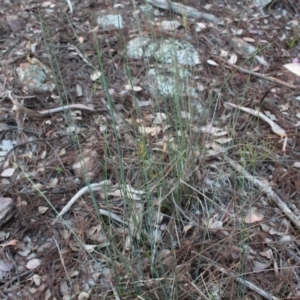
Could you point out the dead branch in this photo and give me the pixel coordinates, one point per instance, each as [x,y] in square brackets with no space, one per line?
[183,10]
[99,187]
[265,188]
[18,107]
[241,280]
[259,75]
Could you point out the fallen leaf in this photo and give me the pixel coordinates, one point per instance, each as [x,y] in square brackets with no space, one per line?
[53,182]
[260,266]
[187,227]
[287,239]
[156,235]
[169,25]
[159,118]
[211,62]
[44,154]
[5,266]
[74,273]
[185,115]
[267,254]
[255,69]
[42,209]
[153,131]
[83,296]
[33,264]
[223,53]
[24,252]
[223,140]
[292,72]
[248,39]
[261,60]
[296,164]
[90,248]
[213,130]
[46,3]
[8,172]
[209,129]
[96,75]
[47,294]
[253,216]
[64,288]
[233,59]
[37,279]
[201,25]
[10,243]
[130,87]
[212,222]
[38,187]
[78,90]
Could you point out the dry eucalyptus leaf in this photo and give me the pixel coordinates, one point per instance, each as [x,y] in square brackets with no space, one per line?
[292,72]
[160,118]
[96,75]
[223,140]
[267,254]
[47,294]
[153,131]
[83,296]
[78,90]
[10,243]
[8,172]
[90,248]
[249,40]
[43,209]
[53,182]
[253,216]
[130,87]
[64,288]
[260,266]
[233,59]
[211,62]
[187,227]
[296,164]
[5,266]
[33,264]
[37,279]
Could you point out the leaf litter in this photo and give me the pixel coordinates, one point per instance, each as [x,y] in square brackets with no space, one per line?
[164,181]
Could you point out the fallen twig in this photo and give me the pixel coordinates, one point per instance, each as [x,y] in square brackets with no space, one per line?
[18,107]
[265,188]
[259,75]
[83,57]
[275,128]
[70,6]
[183,10]
[241,280]
[117,297]
[15,278]
[99,187]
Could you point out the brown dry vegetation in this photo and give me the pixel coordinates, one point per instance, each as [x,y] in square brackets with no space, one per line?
[192,195]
